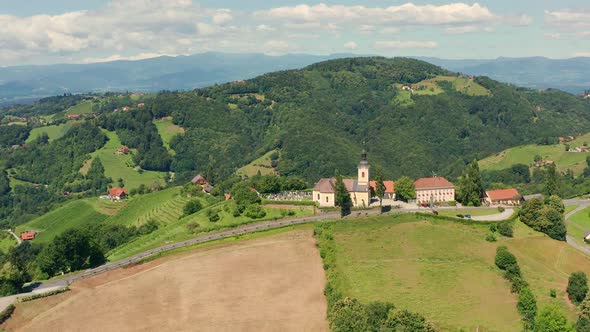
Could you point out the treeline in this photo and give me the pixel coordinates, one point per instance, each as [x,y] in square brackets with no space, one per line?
[45,106]
[545,216]
[13,135]
[347,314]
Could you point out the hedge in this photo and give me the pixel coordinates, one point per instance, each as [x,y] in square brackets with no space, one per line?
[304,203]
[6,313]
[42,295]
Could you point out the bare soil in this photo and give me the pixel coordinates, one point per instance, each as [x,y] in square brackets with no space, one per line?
[272,283]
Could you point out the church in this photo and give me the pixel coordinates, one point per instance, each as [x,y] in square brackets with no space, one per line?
[359,189]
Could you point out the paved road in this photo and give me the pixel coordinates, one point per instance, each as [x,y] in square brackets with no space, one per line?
[240,230]
[18,239]
[495,217]
[582,204]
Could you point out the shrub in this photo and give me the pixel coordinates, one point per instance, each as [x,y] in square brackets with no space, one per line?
[527,306]
[6,313]
[192,226]
[501,209]
[491,238]
[504,258]
[493,228]
[254,211]
[505,228]
[192,206]
[214,218]
[577,287]
[452,203]
[552,292]
[42,295]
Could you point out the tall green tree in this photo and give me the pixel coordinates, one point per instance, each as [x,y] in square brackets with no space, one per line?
[470,190]
[527,307]
[577,287]
[583,323]
[552,185]
[551,319]
[342,198]
[404,189]
[379,186]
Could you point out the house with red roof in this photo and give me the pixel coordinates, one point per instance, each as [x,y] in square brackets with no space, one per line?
[28,235]
[434,190]
[117,194]
[503,197]
[73,116]
[123,150]
[389,188]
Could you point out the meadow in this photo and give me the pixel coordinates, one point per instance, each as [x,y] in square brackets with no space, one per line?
[578,225]
[54,131]
[121,166]
[168,130]
[84,107]
[430,87]
[445,270]
[262,165]
[526,154]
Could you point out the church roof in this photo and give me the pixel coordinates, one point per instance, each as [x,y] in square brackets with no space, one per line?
[327,185]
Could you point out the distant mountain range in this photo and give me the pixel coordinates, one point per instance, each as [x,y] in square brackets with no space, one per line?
[28,83]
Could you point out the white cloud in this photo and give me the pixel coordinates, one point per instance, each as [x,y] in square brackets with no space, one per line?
[390,30]
[117,57]
[265,28]
[397,44]
[222,16]
[582,54]
[568,19]
[367,28]
[276,47]
[409,13]
[351,45]
[552,35]
[468,29]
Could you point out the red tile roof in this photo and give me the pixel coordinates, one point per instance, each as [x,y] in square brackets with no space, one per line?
[502,194]
[29,235]
[389,186]
[325,185]
[433,183]
[117,192]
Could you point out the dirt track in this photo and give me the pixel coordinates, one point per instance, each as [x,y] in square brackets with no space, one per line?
[267,284]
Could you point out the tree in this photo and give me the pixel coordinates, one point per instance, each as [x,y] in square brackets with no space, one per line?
[192,206]
[243,196]
[342,198]
[551,319]
[555,202]
[583,323]
[470,190]
[552,181]
[505,228]
[504,258]
[70,251]
[527,307]
[379,186]
[348,315]
[551,223]
[537,158]
[404,189]
[403,320]
[577,287]
[254,211]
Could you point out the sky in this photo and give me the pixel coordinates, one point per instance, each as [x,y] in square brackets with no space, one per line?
[73,31]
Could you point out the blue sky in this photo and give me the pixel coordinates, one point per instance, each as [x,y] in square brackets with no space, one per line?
[68,31]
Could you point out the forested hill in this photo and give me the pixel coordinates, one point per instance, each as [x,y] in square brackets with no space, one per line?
[319,117]
[415,118]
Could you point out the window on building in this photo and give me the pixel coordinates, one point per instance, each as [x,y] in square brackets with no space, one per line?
[362,174]
[326,199]
[318,197]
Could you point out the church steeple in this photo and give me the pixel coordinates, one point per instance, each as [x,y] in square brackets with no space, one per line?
[363,170]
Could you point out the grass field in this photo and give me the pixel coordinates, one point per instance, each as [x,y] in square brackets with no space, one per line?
[579,224]
[178,231]
[431,87]
[525,155]
[121,166]
[446,270]
[473,212]
[72,215]
[84,107]
[7,241]
[268,283]
[54,132]
[262,165]
[167,130]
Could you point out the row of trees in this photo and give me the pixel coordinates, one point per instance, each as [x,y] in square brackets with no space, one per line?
[546,216]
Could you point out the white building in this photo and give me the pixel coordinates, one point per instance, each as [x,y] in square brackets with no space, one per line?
[436,189]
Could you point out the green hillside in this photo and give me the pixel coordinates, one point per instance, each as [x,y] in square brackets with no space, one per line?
[54,131]
[74,214]
[262,165]
[84,107]
[526,154]
[446,270]
[121,166]
[167,130]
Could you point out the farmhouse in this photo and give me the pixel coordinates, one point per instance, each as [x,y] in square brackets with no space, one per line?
[200,180]
[389,189]
[359,189]
[73,116]
[434,189]
[117,194]
[503,197]
[28,235]
[123,150]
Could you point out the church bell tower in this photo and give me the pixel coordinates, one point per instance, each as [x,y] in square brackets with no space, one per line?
[363,170]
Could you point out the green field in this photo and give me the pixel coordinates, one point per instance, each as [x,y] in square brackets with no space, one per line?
[167,130]
[84,107]
[473,212]
[431,87]
[526,154]
[261,165]
[54,132]
[121,166]
[72,215]
[7,241]
[446,270]
[178,231]
[579,224]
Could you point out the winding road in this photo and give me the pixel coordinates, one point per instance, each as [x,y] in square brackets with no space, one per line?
[582,204]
